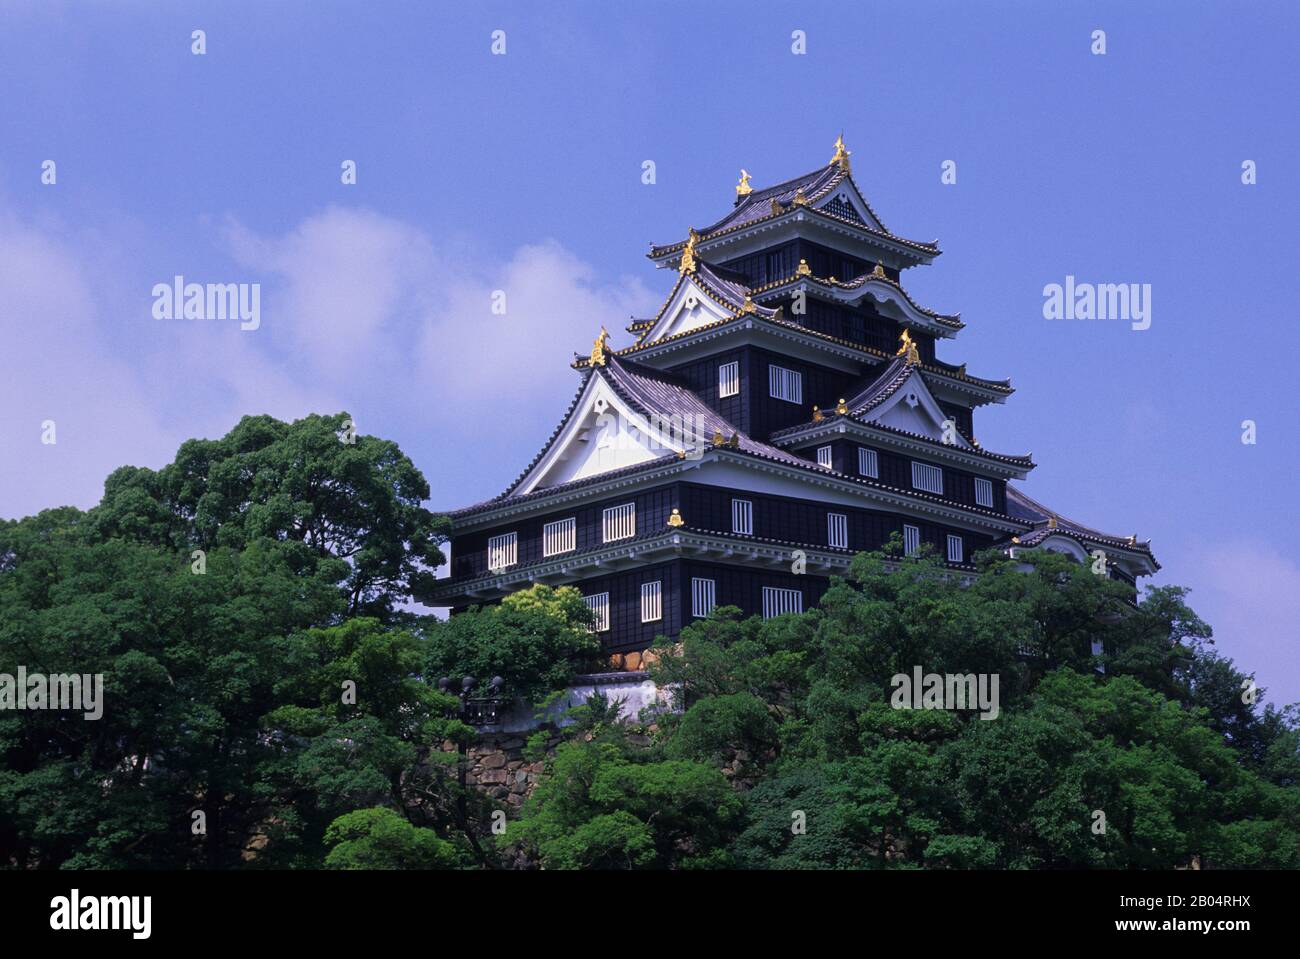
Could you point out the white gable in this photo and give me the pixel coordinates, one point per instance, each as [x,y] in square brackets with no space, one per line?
[688,309]
[601,435]
[914,409]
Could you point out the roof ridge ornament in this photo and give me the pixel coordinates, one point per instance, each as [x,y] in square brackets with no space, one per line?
[841,407]
[600,348]
[911,355]
[777,208]
[1051,521]
[880,271]
[841,154]
[688,252]
[799,198]
[743,188]
[803,269]
[748,306]
[676,518]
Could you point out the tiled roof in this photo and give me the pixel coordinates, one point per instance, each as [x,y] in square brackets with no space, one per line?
[759,203]
[879,388]
[1022,507]
[757,206]
[650,393]
[731,292]
[945,369]
[946,319]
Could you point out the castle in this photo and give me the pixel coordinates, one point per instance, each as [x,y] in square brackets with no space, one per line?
[783,410]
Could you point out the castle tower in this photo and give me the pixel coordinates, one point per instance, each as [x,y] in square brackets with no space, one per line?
[785,409]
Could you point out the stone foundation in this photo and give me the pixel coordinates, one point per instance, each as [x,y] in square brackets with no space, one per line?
[497,767]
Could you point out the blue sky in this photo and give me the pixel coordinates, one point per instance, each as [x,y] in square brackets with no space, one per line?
[523,172]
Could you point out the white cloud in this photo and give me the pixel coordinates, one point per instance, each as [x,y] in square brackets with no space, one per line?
[58,365]
[359,311]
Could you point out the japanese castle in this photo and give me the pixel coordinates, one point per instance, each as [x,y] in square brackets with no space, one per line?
[784,410]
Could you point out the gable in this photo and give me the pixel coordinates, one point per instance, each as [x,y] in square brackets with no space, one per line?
[845,201]
[601,435]
[914,409]
[689,308]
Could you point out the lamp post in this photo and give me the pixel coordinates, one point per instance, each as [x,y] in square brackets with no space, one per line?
[475,711]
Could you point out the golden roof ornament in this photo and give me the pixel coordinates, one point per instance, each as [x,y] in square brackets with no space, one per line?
[600,348]
[688,253]
[748,306]
[880,271]
[1051,521]
[776,206]
[717,438]
[841,154]
[799,198]
[743,188]
[676,518]
[803,269]
[734,442]
[817,415]
[841,407]
[911,355]
[1015,539]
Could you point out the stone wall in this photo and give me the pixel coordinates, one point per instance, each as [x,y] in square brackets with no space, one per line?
[497,766]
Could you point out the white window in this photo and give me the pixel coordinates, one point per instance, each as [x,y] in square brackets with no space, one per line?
[868,465]
[742,517]
[560,536]
[983,492]
[619,522]
[704,593]
[728,379]
[778,601]
[785,384]
[652,601]
[599,604]
[503,551]
[927,477]
[955,552]
[837,530]
[824,456]
[911,539]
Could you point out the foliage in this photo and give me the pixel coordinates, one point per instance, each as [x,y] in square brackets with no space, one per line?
[272,701]
[536,638]
[603,805]
[380,839]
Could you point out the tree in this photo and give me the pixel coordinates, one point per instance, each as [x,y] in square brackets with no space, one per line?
[315,482]
[535,639]
[381,839]
[601,805]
